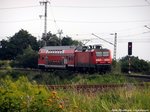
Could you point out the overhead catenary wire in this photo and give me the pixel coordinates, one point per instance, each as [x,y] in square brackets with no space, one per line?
[61,6]
[148,2]
[124,40]
[16,21]
[70,21]
[128,21]
[54,20]
[135,34]
[139,27]
[19,7]
[119,6]
[57,21]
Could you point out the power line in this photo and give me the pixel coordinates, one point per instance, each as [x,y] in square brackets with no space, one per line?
[108,33]
[130,21]
[54,20]
[70,21]
[20,7]
[17,21]
[132,28]
[120,40]
[135,34]
[147,2]
[33,6]
[121,6]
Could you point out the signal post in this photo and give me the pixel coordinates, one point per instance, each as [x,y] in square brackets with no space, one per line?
[129,54]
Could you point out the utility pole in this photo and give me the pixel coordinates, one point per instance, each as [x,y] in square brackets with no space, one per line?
[60,32]
[45,18]
[115,46]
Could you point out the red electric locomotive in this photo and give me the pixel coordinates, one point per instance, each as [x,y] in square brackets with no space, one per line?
[93,58]
[85,59]
[103,60]
[82,58]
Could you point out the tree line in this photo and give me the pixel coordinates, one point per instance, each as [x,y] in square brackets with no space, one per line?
[22,51]
[22,48]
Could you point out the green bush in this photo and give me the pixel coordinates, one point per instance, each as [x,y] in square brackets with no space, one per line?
[29,59]
[137,65]
[24,96]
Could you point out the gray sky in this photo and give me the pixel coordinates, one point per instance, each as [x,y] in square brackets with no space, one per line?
[80,18]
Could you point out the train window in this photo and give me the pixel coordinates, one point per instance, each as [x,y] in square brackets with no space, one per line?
[105,53]
[99,54]
[91,53]
[71,58]
[42,58]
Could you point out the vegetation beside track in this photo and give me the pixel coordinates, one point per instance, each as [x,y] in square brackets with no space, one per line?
[25,96]
[65,77]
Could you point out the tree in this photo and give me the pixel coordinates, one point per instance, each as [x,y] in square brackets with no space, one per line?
[29,59]
[137,65]
[4,50]
[50,40]
[53,40]
[16,44]
[68,41]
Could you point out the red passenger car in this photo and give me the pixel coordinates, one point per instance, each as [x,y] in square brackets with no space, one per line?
[56,57]
[42,58]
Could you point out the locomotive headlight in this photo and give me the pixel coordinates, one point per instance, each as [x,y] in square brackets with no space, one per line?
[98,59]
[106,59]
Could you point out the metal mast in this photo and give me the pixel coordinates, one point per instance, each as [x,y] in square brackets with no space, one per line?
[45,17]
[60,32]
[115,46]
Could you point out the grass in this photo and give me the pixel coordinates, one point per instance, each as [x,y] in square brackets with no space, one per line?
[22,95]
[116,99]
[65,77]
[100,79]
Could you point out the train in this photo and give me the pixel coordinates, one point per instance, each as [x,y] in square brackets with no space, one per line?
[91,58]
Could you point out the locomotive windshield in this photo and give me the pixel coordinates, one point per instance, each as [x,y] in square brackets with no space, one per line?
[99,54]
[104,53]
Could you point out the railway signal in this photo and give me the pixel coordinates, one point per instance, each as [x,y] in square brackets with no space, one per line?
[129,48]
[129,53]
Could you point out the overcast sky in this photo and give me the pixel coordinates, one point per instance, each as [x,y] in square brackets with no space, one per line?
[80,18]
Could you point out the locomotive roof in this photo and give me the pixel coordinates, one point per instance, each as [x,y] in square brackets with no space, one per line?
[104,49]
[59,47]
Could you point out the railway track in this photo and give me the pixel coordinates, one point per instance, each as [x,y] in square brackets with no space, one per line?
[143,78]
[140,78]
[95,88]
[21,69]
